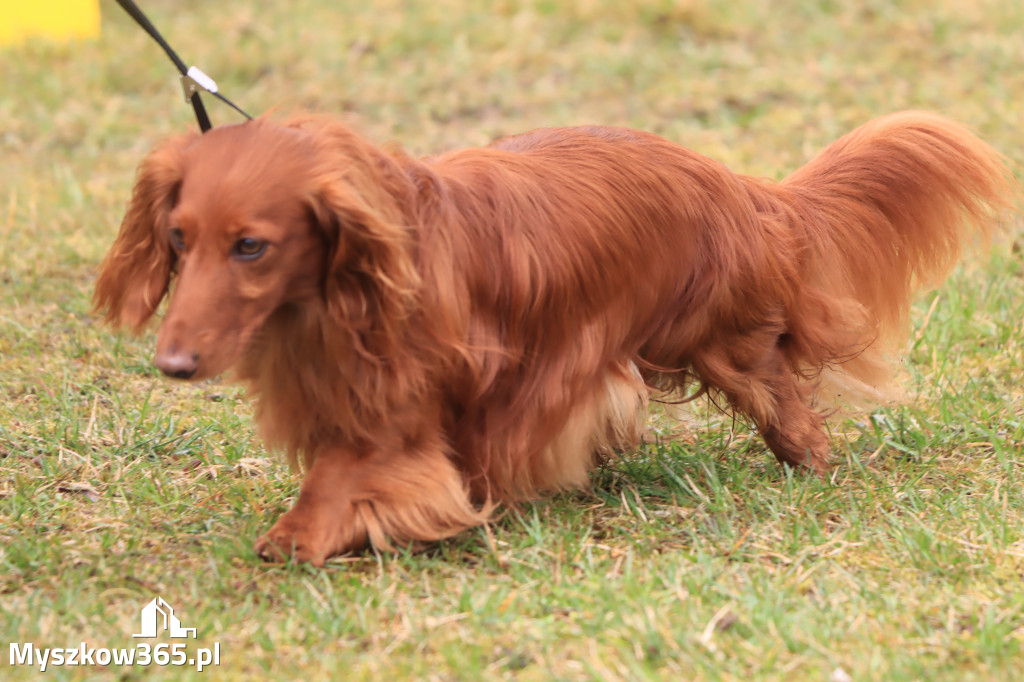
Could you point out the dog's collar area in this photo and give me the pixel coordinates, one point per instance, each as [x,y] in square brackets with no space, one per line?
[193,80]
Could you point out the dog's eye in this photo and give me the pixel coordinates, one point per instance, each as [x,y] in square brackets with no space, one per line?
[248,249]
[177,239]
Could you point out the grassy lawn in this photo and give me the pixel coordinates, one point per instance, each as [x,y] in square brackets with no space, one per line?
[696,558]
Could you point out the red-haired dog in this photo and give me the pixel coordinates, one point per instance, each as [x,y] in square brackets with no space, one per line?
[433,337]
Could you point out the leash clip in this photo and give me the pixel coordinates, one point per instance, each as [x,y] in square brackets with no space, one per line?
[194,80]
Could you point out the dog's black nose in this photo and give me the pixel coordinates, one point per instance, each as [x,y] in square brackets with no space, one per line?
[178,365]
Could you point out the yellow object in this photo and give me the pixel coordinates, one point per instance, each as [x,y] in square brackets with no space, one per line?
[52,19]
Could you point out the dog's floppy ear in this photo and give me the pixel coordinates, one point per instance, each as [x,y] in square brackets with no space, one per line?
[135,274]
[371,281]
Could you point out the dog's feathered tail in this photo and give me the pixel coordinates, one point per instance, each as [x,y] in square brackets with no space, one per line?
[884,211]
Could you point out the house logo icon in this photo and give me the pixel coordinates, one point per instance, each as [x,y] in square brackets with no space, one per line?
[151,620]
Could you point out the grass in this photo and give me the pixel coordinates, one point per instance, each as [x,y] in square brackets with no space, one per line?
[696,558]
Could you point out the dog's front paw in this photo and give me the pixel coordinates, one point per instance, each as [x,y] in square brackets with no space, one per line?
[309,537]
[279,545]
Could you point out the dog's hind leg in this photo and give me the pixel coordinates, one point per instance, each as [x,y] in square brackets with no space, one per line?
[795,433]
[763,386]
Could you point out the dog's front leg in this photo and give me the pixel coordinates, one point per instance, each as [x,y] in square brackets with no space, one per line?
[386,499]
[323,522]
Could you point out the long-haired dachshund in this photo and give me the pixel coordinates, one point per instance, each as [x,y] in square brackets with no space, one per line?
[434,337]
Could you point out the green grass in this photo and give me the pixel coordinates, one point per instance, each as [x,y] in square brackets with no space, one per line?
[697,558]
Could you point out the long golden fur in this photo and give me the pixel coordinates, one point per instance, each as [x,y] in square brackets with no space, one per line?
[434,337]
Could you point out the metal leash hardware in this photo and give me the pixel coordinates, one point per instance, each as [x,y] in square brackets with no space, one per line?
[193,80]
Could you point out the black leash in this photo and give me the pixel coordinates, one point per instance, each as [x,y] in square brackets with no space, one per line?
[192,78]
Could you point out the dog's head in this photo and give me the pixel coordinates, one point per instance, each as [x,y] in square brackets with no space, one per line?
[249,218]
